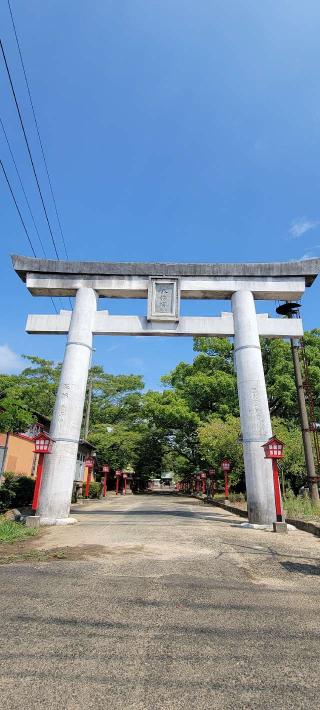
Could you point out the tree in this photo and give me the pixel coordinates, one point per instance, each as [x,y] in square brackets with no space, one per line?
[219,439]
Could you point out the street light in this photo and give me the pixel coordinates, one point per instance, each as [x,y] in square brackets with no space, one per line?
[226,468]
[42,445]
[274,449]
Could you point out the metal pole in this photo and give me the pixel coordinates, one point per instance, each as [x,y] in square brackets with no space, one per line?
[304,421]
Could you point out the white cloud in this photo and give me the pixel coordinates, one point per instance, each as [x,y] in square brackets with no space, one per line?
[302,225]
[9,361]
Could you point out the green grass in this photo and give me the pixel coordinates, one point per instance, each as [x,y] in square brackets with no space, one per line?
[301,507]
[11,531]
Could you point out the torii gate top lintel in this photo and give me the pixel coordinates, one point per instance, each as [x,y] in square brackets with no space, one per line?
[306,268]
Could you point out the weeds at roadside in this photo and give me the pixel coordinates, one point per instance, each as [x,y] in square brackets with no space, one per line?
[10,531]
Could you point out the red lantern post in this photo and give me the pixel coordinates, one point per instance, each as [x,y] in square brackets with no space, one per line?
[274,449]
[203,477]
[226,468]
[212,475]
[125,476]
[42,446]
[105,470]
[117,475]
[89,464]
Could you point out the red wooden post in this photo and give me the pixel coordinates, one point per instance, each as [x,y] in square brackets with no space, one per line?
[125,476]
[42,445]
[89,463]
[117,474]
[277,496]
[203,479]
[38,482]
[88,481]
[226,485]
[105,470]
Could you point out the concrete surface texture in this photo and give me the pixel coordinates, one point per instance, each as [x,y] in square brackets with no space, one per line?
[169,606]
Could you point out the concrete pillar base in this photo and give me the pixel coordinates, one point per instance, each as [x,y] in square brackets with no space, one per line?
[33,521]
[280,528]
[58,521]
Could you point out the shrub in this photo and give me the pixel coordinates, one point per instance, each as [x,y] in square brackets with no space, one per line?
[95,490]
[16,491]
[6,498]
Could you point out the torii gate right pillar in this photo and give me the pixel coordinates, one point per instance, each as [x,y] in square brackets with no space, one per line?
[254,409]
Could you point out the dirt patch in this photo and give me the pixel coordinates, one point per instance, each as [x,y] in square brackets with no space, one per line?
[11,553]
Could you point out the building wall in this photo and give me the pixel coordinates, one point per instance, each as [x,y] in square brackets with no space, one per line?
[20,457]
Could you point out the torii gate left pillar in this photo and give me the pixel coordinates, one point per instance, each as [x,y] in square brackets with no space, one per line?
[58,473]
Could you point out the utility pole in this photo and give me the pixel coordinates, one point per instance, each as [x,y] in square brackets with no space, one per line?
[305,429]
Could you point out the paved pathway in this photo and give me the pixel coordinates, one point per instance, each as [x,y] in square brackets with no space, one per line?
[173,608]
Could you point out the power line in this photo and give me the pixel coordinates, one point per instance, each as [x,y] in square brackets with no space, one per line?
[22,221]
[22,187]
[18,210]
[37,128]
[28,147]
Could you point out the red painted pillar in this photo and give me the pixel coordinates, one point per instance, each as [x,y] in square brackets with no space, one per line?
[125,485]
[38,482]
[277,496]
[204,486]
[104,490]
[226,485]
[88,481]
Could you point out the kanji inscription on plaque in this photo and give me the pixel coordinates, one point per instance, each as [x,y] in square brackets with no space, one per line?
[163,299]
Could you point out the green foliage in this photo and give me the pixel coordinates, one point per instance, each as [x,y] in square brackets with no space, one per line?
[220,439]
[11,531]
[300,507]
[6,498]
[16,491]
[95,490]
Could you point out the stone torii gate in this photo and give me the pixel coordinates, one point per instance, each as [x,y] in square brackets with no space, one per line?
[162,285]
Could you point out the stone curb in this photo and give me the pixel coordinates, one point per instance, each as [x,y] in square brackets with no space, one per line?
[303,525]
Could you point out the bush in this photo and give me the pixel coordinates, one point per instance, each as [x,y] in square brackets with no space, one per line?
[95,490]
[16,491]
[7,496]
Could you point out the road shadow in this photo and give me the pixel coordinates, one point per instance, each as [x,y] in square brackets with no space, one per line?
[301,568]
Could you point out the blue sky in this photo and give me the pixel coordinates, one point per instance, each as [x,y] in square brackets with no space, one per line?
[174,130]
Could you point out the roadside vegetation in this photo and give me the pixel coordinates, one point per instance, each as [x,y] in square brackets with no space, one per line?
[10,531]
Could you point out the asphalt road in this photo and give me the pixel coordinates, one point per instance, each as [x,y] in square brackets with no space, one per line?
[171,607]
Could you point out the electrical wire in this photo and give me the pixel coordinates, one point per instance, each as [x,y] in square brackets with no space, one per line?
[22,186]
[28,148]
[22,221]
[38,130]
[18,209]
